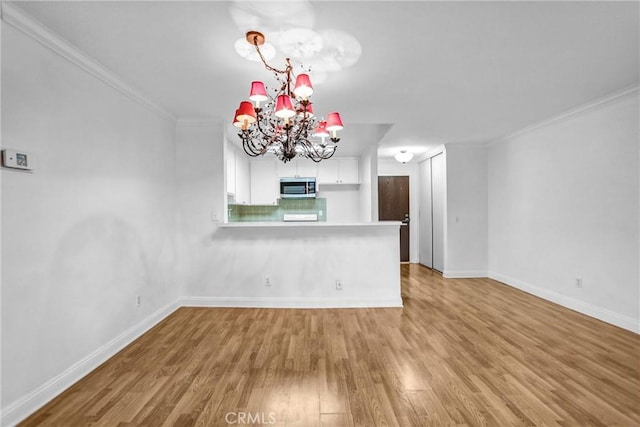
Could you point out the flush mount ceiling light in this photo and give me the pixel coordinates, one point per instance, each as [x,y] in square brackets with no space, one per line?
[403,156]
[285,125]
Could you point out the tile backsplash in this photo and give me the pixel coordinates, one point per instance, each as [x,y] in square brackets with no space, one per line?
[268,213]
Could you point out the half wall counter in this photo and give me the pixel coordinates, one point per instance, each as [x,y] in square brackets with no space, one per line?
[308,265]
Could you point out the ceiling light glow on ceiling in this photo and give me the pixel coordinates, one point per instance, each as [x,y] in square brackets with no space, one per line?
[248,52]
[286,123]
[299,43]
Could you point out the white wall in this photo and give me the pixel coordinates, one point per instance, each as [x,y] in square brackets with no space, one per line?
[343,202]
[369,185]
[563,203]
[467,221]
[425,243]
[391,167]
[200,178]
[88,231]
[439,209]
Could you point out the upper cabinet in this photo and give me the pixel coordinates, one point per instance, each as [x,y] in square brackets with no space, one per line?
[307,168]
[243,179]
[238,175]
[265,174]
[231,171]
[339,171]
[265,184]
[297,168]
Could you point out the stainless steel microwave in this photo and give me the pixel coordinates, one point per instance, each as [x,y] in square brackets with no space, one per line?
[297,188]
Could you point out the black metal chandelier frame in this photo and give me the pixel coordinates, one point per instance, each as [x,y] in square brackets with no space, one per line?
[288,137]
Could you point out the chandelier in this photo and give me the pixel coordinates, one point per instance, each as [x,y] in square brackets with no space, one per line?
[286,125]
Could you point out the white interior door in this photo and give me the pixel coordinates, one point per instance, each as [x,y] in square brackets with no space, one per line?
[438,188]
[425,215]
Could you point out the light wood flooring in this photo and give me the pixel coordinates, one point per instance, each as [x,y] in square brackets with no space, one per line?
[461,352]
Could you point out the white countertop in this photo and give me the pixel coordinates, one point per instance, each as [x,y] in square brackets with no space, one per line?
[277,224]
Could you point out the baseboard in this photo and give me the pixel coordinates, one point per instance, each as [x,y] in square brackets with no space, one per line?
[28,404]
[608,316]
[470,274]
[301,302]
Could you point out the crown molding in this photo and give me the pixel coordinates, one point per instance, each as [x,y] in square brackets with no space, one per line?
[19,19]
[570,113]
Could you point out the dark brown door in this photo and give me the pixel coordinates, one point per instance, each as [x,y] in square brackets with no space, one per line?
[393,205]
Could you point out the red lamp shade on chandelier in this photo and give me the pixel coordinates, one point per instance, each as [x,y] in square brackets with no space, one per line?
[284,107]
[245,115]
[258,93]
[303,88]
[334,123]
[321,130]
[286,123]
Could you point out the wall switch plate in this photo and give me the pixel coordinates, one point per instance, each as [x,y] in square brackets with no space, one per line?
[17,160]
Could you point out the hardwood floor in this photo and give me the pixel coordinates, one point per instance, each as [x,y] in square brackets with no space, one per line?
[460,352]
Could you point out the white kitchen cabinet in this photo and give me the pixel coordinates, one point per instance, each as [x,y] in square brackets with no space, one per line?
[295,168]
[265,184]
[339,171]
[242,178]
[349,171]
[238,175]
[285,170]
[306,168]
[231,171]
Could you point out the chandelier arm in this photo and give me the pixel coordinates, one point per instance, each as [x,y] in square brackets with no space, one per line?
[253,144]
[301,134]
[269,137]
[314,154]
[249,144]
[289,143]
[251,149]
[248,148]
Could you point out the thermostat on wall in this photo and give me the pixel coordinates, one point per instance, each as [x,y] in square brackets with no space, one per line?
[17,160]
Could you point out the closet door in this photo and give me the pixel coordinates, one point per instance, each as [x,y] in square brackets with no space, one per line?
[438,187]
[425,214]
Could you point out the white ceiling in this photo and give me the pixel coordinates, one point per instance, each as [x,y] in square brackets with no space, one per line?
[430,72]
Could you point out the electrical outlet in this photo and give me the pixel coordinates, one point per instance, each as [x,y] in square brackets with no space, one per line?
[267,281]
[578,282]
[138,301]
[339,284]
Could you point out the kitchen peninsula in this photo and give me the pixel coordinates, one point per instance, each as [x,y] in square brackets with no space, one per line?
[312,264]
[329,260]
